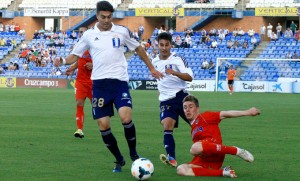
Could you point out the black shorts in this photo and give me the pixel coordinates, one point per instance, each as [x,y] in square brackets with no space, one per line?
[230,82]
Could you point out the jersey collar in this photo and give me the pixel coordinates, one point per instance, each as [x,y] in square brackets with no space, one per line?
[113,27]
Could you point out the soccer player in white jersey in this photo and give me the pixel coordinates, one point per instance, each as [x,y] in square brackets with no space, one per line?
[105,42]
[172,91]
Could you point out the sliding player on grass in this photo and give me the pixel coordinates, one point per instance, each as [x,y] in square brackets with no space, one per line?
[208,150]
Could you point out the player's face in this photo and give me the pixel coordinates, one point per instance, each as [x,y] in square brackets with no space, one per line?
[190,109]
[164,48]
[105,20]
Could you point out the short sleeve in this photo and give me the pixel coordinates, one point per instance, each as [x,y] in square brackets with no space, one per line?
[81,46]
[130,42]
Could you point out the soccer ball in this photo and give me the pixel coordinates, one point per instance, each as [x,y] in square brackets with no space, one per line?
[142,169]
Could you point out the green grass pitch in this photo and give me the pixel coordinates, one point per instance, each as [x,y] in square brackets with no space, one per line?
[37,141]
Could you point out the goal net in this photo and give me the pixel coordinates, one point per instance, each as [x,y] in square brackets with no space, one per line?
[259,75]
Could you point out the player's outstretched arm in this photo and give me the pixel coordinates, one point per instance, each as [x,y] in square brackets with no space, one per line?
[182,76]
[68,60]
[233,114]
[141,52]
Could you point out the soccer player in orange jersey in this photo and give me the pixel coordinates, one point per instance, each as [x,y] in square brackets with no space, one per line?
[230,78]
[207,148]
[83,88]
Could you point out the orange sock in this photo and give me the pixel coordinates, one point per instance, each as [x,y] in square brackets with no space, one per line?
[198,171]
[212,148]
[79,117]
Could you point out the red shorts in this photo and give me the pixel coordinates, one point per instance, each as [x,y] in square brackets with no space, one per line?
[83,90]
[209,161]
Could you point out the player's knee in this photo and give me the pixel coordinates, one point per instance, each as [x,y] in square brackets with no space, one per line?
[196,149]
[181,170]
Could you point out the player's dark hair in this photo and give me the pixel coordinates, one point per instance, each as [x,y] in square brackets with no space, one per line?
[164,36]
[190,98]
[104,6]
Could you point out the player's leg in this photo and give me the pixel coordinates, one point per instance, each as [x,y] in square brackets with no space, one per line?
[102,103]
[208,148]
[195,170]
[123,104]
[168,124]
[79,118]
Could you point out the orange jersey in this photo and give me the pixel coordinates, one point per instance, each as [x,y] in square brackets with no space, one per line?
[206,128]
[231,73]
[84,74]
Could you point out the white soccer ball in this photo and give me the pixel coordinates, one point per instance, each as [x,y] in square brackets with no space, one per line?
[142,169]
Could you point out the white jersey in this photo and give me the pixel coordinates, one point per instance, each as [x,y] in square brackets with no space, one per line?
[169,85]
[107,51]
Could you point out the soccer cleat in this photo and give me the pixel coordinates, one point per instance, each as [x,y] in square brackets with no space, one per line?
[79,133]
[134,157]
[245,155]
[119,165]
[168,160]
[228,172]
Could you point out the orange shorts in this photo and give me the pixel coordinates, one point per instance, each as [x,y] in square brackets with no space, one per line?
[209,161]
[83,90]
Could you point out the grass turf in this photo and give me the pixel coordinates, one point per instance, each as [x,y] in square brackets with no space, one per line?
[37,141]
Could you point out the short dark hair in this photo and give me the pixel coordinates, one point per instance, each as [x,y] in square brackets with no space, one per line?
[164,36]
[104,6]
[190,98]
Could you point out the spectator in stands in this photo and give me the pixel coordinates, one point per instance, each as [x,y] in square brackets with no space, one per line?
[211,66]
[178,41]
[269,30]
[236,44]
[2,42]
[279,30]
[42,30]
[155,31]
[204,64]
[245,44]
[212,32]
[14,43]
[221,35]
[61,42]
[17,28]
[8,42]
[208,41]
[25,66]
[12,27]
[230,44]
[214,44]
[11,66]
[141,30]
[262,31]
[21,32]
[162,29]
[7,26]
[23,45]
[73,35]
[226,31]
[171,31]
[240,32]
[251,32]
[295,55]
[293,27]
[56,43]
[253,40]
[234,32]
[288,33]
[288,55]
[297,35]
[1,27]
[35,34]
[273,36]
[1,69]
[52,50]
[188,41]
[16,66]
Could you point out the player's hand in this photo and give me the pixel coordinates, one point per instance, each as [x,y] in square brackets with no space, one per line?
[254,111]
[89,65]
[169,71]
[156,74]
[69,72]
[56,62]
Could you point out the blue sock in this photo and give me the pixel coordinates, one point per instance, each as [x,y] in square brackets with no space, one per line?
[129,130]
[169,143]
[111,143]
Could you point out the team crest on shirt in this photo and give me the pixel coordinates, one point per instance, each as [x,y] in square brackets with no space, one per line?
[116,41]
[168,66]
